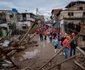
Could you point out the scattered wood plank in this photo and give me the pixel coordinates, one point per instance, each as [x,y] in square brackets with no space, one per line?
[80,50]
[2,51]
[79,65]
[14,48]
[11,53]
[26,33]
[62,62]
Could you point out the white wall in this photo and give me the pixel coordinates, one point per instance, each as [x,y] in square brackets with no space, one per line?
[19,24]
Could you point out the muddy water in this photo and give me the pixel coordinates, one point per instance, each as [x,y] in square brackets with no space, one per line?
[24,55]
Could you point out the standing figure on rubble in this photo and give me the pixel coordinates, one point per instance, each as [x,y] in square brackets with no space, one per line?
[73,45]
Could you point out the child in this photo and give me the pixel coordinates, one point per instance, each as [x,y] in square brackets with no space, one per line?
[55,43]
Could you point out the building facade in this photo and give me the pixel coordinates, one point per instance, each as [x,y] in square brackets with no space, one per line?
[74,19]
[26,17]
[55,14]
[25,20]
[6,16]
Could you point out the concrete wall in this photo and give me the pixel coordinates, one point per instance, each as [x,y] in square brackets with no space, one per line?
[77,14]
[81,43]
[76,7]
[73,21]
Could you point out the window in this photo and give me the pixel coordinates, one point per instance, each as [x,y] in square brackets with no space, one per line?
[24,16]
[70,14]
[84,13]
[11,16]
[80,8]
[31,16]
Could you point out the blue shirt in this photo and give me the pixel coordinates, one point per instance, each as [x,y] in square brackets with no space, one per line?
[55,42]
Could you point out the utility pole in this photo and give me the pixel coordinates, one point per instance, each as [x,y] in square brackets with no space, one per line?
[36,11]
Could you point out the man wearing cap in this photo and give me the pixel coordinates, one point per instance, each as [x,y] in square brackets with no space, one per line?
[73,45]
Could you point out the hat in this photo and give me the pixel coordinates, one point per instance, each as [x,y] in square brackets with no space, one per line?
[67,37]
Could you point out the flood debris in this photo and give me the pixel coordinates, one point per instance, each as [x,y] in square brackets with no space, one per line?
[10,45]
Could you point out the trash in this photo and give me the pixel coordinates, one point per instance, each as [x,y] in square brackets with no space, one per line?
[7,65]
[6,43]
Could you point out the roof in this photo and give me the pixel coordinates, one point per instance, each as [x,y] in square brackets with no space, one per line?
[27,13]
[6,10]
[74,3]
[56,11]
[73,10]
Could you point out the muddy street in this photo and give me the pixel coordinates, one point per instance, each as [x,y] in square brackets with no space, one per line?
[34,57]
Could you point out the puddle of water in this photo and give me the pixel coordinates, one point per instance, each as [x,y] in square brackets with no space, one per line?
[27,55]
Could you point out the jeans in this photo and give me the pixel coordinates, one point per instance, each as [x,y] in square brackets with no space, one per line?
[41,37]
[72,51]
[45,37]
[66,52]
[50,39]
[59,44]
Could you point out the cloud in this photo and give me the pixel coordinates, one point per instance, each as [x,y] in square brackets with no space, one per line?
[7,4]
[45,6]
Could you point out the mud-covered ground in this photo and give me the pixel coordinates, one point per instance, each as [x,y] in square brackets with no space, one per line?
[35,56]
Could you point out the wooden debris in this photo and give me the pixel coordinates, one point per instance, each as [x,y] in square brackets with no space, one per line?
[80,50]
[62,62]
[11,53]
[79,65]
[1,50]
[27,33]
[14,48]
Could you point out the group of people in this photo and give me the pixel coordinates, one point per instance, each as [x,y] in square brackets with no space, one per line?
[43,33]
[62,41]
[58,40]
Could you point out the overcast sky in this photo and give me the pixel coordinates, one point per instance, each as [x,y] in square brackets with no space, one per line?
[44,6]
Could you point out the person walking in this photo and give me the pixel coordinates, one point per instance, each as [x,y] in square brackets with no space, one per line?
[55,41]
[54,34]
[45,34]
[41,34]
[73,45]
[66,49]
[59,42]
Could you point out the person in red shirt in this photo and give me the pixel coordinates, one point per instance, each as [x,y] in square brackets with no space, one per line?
[66,49]
[37,31]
